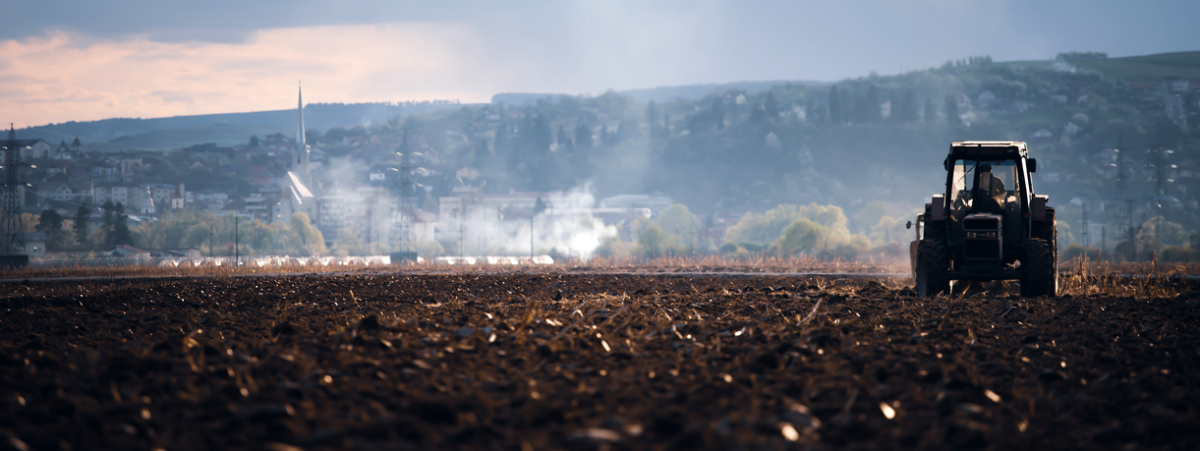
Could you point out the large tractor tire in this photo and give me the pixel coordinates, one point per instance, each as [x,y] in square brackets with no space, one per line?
[933,267]
[1039,269]
[1048,230]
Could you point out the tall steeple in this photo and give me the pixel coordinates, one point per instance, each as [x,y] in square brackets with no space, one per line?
[300,111]
[302,150]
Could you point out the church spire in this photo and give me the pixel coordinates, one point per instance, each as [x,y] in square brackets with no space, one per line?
[300,125]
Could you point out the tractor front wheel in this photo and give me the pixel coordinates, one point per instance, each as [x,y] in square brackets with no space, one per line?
[933,266]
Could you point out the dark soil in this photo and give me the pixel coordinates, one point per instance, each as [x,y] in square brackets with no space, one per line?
[541,361]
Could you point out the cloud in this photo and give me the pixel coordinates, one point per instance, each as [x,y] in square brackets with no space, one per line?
[58,78]
[83,60]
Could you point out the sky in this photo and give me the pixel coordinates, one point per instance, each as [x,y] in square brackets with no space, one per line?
[66,60]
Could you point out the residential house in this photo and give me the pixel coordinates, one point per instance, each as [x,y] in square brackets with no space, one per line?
[122,250]
[131,168]
[258,175]
[34,149]
[32,244]
[104,173]
[236,206]
[78,174]
[209,194]
[62,152]
[66,191]
[106,192]
[162,193]
[1176,84]
[257,207]
[54,166]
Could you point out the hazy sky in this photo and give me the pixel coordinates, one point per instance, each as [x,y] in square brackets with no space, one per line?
[66,60]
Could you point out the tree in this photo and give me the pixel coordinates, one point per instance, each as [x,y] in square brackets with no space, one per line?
[304,239]
[563,140]
[254,141]
[121,233]
[583,138]
[871,107]
[894,110]
[581,157]
[109,220]
[627,130]
[766,227]
[908,107]
[1157,233]
[82,215]
[650,241]
[802,235]
[930,111]
[347,243]
[51,223]
[717,113]
[888,230]
[678,220]
[505,146]
[657,130]
[771,107]
[537,138]
[951,110]
[651,114]
[483,155]
[835,106]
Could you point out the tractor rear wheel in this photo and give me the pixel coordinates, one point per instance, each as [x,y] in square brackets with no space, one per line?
[933,266]
[1039,269]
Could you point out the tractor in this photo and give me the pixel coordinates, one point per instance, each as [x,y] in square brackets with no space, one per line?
[988,225]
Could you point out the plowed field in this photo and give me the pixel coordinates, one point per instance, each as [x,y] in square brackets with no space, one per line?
[589,361]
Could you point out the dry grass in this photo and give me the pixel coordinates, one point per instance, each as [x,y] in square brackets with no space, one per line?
[1081,277]
[755,264]
[1078,277]
[760,264]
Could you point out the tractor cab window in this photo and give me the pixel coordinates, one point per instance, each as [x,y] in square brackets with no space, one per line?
[997,186]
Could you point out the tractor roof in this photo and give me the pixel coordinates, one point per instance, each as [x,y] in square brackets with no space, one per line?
[990,149]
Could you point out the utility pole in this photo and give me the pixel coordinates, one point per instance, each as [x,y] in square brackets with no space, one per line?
[1125,204]
[10,202]
[210,241]
[1129,229]
[1160,192]
[461,243]
[237,256]
[1087,241]
[402,236]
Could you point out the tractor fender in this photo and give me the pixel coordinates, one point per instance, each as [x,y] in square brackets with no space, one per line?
[1037,208]
[912,256]
[937,208]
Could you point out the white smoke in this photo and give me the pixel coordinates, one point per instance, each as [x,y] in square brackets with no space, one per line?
[491,224]
[567,227]
[350,202]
